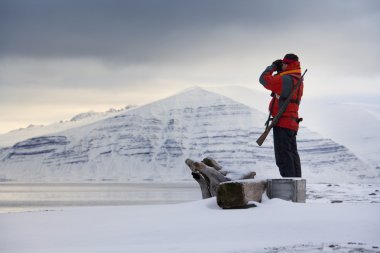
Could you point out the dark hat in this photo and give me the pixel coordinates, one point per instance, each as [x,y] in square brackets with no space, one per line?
[289,58]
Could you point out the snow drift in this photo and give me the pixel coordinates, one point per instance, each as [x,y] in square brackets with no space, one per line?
[201,226]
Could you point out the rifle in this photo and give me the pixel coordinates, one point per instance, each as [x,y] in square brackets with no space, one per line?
[264,135]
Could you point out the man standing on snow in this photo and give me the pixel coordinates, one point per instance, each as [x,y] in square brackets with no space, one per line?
[285,131]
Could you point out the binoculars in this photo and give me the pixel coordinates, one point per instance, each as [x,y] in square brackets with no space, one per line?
[278,65]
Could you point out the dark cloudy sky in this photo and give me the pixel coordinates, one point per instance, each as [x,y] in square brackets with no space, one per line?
[62,57]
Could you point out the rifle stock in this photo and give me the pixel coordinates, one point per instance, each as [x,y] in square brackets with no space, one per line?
[264,135]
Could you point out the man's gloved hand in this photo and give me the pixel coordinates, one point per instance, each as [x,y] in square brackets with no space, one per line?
[277,65]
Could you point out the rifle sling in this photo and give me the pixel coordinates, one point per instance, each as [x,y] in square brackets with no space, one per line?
[295,101]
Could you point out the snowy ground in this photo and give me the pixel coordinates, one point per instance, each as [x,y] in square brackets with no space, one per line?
[343,193]
[274,225]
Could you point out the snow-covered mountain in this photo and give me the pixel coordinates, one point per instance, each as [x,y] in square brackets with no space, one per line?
[351,121]
[151,142]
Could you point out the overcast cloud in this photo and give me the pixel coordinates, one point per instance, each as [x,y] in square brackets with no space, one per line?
[82,53]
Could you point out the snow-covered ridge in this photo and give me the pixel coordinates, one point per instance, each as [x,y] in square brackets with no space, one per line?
[84,115]
[78,120]
[151,142]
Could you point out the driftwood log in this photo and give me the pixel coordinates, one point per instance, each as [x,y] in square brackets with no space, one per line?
[209,174]
[238,193]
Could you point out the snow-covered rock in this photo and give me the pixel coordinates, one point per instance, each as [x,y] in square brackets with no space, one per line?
[84,115]
[151,142]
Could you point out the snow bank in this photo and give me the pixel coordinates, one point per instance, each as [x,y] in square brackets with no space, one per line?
[199,226]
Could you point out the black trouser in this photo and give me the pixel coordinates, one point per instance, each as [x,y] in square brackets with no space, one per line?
[285,151]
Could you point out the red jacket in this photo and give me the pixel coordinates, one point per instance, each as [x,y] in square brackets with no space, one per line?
[281,85]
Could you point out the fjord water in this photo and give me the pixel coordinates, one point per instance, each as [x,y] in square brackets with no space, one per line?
[19,197]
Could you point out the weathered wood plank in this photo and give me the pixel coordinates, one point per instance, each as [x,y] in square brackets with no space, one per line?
[293,189]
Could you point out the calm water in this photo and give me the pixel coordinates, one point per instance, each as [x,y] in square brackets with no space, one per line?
[30,197]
